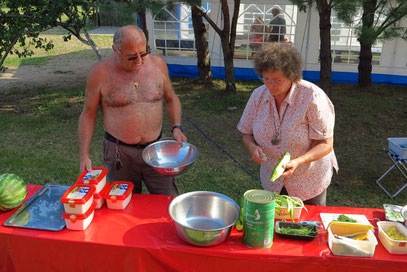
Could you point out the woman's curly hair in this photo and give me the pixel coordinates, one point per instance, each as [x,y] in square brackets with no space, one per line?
[279,57]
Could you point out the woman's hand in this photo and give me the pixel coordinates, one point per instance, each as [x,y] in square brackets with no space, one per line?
[290,168]
[258,155]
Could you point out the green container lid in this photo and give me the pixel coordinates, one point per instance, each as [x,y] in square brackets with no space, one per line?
[259,196]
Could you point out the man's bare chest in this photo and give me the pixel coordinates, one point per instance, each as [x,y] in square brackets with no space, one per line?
[122,92]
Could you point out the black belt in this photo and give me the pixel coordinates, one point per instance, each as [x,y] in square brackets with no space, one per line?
[112,139]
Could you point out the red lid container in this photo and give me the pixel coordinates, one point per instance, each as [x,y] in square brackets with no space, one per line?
[98,198]
[78,198]
[96,177]
[79,221]
[118,195]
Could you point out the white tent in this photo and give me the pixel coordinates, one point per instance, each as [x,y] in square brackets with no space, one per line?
[173,38]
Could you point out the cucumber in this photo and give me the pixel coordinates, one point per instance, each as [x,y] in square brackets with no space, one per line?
[279,169]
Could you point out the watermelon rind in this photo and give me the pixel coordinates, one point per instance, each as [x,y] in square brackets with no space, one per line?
[12,191]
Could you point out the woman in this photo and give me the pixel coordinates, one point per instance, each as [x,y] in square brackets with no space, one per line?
[258,33]
[289,114]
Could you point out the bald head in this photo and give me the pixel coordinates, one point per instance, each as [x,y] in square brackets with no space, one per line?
[128,33]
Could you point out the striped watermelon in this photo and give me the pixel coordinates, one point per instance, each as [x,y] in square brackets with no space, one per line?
[12,191]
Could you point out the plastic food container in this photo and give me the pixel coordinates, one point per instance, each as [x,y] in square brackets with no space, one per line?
[99,199]
[96,177]
[284,214]
[398,146]
[393,213]
[291,225]
[78,198]
[118,195]
[392,246]
[343,246]
[79,221]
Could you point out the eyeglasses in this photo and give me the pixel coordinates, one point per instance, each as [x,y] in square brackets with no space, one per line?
[135,57]
[142,55]
[271,81]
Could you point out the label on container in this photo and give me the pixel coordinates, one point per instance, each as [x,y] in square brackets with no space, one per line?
[259,213]
[78,192]
[119,189]
[94,174]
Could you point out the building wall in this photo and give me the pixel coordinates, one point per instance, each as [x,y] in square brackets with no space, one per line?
[390,69]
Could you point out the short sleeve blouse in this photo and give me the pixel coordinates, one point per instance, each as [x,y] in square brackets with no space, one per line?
[306,114]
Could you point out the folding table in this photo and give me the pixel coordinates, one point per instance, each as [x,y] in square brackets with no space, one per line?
[400,164]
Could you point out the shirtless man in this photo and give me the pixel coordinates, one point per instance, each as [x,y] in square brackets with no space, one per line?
[130,87]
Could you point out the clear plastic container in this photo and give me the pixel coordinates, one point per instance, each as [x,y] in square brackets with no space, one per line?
[283,214]
[78,198]
[343,246]
[96,177]
[392,246]
[118,195]
[98,198]
[79,221]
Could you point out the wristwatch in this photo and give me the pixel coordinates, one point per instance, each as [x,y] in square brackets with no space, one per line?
[174,127]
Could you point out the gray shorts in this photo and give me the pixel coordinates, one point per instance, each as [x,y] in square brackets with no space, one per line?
[134,169]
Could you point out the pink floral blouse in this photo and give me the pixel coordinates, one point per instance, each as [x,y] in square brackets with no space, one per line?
[307,114]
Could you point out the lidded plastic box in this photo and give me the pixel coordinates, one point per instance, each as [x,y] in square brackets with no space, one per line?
[392,246]
[399,147]
[79,221]
[343,246]
[284,214]
[96,177]
[78,198]
[118,195]
[98,198]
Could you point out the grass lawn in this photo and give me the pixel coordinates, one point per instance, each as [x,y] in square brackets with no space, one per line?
[39,134]
[39,140]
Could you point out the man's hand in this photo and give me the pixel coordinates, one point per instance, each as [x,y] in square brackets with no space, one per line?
[85,164]
[257,155]
[179,136]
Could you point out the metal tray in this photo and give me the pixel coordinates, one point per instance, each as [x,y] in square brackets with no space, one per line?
[42,211]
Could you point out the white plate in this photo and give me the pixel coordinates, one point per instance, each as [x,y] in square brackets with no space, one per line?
[329,217]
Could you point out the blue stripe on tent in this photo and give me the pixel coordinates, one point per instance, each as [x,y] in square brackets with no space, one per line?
[313,76]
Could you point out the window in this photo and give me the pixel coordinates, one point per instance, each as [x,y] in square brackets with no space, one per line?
[345,47]
[259,24]
[173,31]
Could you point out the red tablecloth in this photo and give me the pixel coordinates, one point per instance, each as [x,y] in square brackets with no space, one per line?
[143,238]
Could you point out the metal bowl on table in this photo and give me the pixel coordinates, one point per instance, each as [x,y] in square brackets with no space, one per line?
[168,157]
[203,218]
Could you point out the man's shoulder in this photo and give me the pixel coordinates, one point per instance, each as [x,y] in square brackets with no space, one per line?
[101,67]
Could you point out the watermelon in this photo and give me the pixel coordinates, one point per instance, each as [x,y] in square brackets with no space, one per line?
[12,191]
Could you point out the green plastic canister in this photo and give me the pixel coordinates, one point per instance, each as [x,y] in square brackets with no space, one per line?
[259,212]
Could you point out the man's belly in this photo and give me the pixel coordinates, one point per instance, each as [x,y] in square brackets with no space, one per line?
[136,126]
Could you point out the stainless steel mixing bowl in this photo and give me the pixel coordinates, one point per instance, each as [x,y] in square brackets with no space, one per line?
[168,157]
[203,218]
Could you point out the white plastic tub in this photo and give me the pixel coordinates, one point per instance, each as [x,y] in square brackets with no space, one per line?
[283,214]
[398,146]
[99,199]
[78,198]
[79,221]
[96,177]
[392,246]
[118,195]
[351,247]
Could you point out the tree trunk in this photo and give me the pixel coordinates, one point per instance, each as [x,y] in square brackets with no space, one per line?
[365,55]
[325,50]
[229,67]
[92,44]
[201,44]
[143,21]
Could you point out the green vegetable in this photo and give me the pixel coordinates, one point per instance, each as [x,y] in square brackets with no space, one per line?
[289,202]
[239,222]
[12,191]
[302,230]
[344,218]
[279,169]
